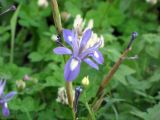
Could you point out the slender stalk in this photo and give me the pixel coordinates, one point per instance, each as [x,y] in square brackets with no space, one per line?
[12,49]
[112,72]
[56,16]
[12,8]
[91,113]
[13,23]
[69,93]
[100,93]
[73,114]
[58,25]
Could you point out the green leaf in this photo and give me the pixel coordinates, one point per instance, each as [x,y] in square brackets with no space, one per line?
[35,57]
[47,115]
[122,72]
[153,113]
[13,23]
[72,7]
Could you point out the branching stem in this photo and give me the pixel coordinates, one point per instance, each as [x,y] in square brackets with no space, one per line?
[100,93]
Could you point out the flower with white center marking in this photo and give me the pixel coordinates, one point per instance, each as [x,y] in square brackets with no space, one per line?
[81,51]
[5,98]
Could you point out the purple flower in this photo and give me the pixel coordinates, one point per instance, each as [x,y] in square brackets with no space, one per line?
[83,49]
[5,98]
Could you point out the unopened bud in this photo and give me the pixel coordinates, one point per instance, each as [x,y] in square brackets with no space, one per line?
[65,15]
[133,37]
[54,38]
[152,1]
[13,7]
[43,3]
[85,81]
[20,85]
[26,77]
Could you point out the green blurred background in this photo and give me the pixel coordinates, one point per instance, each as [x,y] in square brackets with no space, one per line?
[132,94]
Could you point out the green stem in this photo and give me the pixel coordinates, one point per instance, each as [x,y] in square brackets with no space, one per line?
[70,98]
[13,23]
[92,115]
[58,25]
[115,112]
[100,93]
[56,16]
[12,49]
[69,93]
[73,115]
[28,115]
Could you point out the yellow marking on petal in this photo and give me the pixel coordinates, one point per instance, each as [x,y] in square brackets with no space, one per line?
[74,64]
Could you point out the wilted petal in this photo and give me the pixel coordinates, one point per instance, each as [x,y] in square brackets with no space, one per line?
[72,69]
[78,91]
[96,45]
[5,109]
[85,38]
[9,96]
[68,36]
[2,85]
[91,63]
[97,56]
[62,50]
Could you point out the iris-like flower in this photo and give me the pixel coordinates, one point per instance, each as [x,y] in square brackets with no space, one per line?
[5,98]
[83,49]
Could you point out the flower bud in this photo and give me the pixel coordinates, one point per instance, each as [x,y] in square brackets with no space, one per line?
[20,85]
[85,81]
[43,3]
[26,77]
[54,38]
[65,16]
[152,1]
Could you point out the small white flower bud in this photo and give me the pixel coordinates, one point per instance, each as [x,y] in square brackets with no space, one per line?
[20,85]
[26,77]
[54,37]
[85,81]
[65,15]
[152,1]
[43,3]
